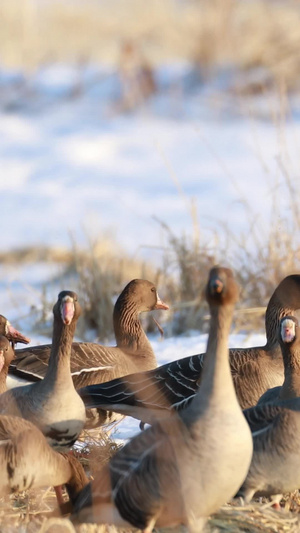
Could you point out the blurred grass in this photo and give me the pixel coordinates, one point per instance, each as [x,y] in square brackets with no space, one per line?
[210,33]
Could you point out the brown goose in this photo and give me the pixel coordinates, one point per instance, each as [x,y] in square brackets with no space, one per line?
[275,423]
[6,356]
[27,460]
[53,404]
[93,363]
[275,465]
[182,468]
[147,395]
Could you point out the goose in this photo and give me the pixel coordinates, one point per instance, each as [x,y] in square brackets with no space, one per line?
[94,363]
[275,465]
[182,468]
[21,470]
[53,404]
[147,395]
[275,425]
[6,355]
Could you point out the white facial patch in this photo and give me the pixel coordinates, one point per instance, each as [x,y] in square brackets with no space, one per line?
[288,330]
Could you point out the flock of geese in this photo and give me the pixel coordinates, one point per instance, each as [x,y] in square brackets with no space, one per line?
[222,424]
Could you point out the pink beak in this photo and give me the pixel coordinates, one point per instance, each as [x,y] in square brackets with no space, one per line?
[67,312]
[160,304]
[14,335]
[288,334]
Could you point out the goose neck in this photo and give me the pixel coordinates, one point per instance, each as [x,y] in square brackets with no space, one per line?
[128,329]
[274,313]
[3,376]
[216,380]
[291,384]
[60,355]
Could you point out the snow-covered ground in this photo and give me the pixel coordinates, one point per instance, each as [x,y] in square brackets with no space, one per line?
[74,167]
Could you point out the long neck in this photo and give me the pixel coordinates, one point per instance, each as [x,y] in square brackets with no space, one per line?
[291,384]
[59,362]
[276,310]
[128,328]
[216,380]
[3,376]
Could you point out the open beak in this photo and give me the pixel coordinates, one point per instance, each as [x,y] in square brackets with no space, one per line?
[15,336]
[160,304]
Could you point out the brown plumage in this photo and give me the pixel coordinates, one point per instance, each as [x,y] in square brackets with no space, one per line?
[275,465]
[275,424]
[27,460]
[94,363]
[182,468]
[147,395]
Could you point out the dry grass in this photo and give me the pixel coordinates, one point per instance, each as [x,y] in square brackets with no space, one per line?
[209,32]
[36,511]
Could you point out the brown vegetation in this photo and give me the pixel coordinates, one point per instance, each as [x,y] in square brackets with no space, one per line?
[210,33]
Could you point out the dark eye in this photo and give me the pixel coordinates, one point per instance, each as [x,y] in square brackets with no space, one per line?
[153,289]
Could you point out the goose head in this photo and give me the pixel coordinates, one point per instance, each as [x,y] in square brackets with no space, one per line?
[288,330]
[11,333]
[142,295]
[221,288]
[67,307]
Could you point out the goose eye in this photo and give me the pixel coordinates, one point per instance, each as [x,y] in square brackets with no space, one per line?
[153,289]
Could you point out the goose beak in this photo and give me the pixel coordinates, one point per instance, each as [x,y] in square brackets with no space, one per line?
[1,360]
[67,311]
[160,304]
[14,335]
[216,286]
[288,331]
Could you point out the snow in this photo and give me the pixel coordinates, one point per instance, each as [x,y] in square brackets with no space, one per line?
[75,166]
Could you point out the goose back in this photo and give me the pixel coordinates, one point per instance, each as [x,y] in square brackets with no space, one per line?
[275,464]
[19,439]
[147,395]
